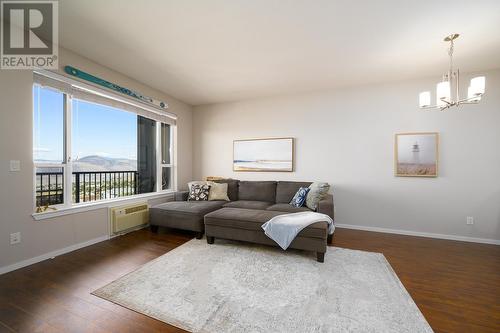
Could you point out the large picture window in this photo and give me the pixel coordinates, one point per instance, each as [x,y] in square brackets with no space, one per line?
[87,151]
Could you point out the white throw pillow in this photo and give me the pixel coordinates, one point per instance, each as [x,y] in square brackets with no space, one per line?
[218,191]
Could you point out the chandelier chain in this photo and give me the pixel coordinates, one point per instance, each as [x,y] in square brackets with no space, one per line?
[450,54]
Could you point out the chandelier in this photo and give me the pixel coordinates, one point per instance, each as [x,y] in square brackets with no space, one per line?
[451,82]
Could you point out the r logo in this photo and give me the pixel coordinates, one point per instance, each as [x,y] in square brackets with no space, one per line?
[27,28]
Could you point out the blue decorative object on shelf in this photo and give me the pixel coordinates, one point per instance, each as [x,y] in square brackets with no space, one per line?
[106,84]
[300,197]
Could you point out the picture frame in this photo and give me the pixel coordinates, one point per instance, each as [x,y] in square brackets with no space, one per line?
[416,154]
[264,155]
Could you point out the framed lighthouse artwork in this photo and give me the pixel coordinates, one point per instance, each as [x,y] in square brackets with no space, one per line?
[416,154]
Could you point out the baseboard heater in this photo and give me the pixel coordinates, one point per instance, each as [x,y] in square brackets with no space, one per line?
[130,217]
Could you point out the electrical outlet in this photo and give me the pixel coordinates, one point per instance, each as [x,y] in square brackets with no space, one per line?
[15,238]
[470,219]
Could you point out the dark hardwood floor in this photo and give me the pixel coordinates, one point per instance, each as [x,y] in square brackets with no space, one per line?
[456,285]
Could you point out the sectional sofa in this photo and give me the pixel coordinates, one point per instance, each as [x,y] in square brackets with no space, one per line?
[252,203]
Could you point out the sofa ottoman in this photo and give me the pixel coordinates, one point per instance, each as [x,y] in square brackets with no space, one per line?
[186,215]
[246,225]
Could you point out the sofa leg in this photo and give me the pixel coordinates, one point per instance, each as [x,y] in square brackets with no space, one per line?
[330,239]
[199,235]
[210,239]
[320,256]
[154,228]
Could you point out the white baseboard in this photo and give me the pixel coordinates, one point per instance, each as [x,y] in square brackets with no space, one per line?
[420,234]
[52,254]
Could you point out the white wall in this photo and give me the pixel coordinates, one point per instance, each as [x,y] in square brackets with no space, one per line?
[346,137]
[16,188]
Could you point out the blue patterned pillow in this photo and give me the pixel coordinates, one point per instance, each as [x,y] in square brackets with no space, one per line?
[300,197]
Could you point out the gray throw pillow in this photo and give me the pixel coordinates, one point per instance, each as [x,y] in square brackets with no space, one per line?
[317,191]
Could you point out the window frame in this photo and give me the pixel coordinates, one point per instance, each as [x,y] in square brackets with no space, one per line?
[67,163]
[159,161]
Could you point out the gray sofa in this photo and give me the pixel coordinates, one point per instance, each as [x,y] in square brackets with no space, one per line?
[252,204]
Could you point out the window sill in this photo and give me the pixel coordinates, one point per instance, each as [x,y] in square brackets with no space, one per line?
[84,207]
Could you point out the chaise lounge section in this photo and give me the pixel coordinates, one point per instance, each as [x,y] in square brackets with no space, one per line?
[246,225]
[186,215]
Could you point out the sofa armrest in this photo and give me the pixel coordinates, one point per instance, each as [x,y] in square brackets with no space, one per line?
[181,195]
[325,206]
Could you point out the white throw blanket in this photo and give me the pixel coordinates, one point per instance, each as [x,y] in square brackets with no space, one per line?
[284,228]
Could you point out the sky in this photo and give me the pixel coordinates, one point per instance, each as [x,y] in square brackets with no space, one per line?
[96,129]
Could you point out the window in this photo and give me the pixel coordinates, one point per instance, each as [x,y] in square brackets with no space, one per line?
[48,145]
[103,152]
[88,148]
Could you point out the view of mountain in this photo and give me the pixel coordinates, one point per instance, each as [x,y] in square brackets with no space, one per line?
[100,163]
[95,163]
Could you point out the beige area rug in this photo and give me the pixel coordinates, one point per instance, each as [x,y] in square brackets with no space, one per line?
[239,287]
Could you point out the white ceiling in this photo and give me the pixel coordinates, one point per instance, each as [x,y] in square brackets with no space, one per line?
[223,50]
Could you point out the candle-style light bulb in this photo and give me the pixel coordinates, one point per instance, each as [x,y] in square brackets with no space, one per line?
[424,99]
[443,92]
[477,85]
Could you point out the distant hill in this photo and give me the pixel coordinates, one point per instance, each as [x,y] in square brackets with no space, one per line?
[95,163]
[100,163]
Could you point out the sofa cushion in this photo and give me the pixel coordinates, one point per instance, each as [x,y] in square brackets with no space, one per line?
[248,204]
[232,187]
[286,190]
[198,208]
[283,207]
[257,191]
[252,219]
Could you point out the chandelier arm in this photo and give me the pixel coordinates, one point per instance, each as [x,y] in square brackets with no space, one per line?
[447,102]
[470,100]
[447,106]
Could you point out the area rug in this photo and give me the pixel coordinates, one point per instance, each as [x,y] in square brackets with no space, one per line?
[238,287]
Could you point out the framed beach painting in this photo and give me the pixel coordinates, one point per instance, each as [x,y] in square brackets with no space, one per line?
[416,154]
[273,154]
